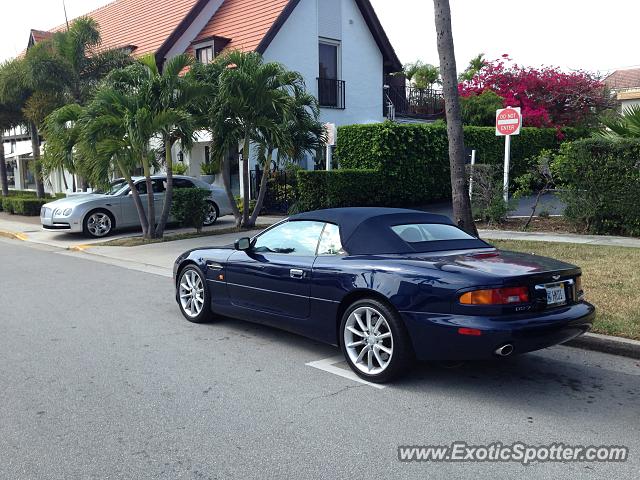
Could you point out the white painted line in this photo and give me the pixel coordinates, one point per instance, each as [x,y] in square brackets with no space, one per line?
[329,365]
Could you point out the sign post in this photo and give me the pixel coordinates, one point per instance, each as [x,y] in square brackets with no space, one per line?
[508,122]
[332,133]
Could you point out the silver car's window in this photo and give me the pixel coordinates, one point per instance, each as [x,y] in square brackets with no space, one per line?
[291,238]
[330,243]
[429,232]
[182,183]
[115,187]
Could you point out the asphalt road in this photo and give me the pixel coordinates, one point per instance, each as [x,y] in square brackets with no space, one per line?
[100,377]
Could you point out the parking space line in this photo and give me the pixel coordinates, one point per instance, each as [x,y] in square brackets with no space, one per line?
[329,365]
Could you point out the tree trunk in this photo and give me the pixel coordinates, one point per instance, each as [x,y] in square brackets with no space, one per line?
[226,180]
[245,182]
[151,208]
[168,194]
[3,168]
[263,190]
[462,214]
[144,223]
[37,167]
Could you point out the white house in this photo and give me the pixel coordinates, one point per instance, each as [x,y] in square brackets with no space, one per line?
[625,84]
[339,46]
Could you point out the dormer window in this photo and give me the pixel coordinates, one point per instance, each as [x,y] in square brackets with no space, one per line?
[205,54]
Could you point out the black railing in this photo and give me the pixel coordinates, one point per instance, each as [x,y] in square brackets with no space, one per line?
[280,193]
[331,93]
[412,102]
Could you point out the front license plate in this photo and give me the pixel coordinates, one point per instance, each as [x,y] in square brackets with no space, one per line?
[555,294]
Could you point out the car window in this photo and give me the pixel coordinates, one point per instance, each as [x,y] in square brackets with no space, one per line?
[292,238]
[429,232]
[182,183]
[157,185]
[330,243]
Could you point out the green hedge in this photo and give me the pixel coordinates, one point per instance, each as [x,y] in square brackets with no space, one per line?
[23,205]
[189,206]
[341,188]
[414,157]
[601,183]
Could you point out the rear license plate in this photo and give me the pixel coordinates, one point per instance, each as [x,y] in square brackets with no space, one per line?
[555,294]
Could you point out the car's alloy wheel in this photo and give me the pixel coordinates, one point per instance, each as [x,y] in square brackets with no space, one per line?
[99,224]
[212,215]
[192,295]
[368,340]
[375,341]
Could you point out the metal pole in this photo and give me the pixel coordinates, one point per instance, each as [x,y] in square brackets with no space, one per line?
[473,162]
[329,157]
[507,159]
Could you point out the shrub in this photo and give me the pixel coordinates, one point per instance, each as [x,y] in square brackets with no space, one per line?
[189,206]
[600,182]
[487,199]
[240,205]
[179,168]
[23,205]
[414,158]
[480,109]
[341,188]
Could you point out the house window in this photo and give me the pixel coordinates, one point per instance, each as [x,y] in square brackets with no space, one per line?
[205,54]
[331,90]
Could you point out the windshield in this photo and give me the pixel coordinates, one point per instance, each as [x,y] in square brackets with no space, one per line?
[114,188]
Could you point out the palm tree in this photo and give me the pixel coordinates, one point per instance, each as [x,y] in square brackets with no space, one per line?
[297,133]
[250,100]
[423,75]
[625,125]
[10,115]
[65,69]
[175,95]
[461,202]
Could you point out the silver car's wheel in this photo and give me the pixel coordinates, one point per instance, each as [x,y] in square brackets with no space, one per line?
[98,224]
[212,215]
[368,340]
[191,294]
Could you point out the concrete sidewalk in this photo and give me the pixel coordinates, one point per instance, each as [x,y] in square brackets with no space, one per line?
[605,240]
[28,229]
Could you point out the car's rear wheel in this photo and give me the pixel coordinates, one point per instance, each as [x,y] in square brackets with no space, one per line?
[98,224]
[374,341]
[212,214]
[193,295]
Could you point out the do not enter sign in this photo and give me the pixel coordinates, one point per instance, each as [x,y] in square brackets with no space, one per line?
[508,121]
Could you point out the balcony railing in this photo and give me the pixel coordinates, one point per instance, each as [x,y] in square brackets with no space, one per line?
[331,93]
[412,102]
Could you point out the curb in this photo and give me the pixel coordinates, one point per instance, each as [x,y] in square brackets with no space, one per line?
[605,344]
[14,235]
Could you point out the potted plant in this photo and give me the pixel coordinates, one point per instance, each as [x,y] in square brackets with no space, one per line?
[209,170]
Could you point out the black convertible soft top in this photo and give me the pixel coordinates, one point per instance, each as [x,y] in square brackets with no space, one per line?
[367,230]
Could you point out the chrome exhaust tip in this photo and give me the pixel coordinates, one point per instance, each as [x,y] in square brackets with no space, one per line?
[504,350]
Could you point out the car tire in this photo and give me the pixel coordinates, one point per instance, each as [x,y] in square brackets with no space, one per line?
[213,213]
[374,341]
[193,295]
[98,223]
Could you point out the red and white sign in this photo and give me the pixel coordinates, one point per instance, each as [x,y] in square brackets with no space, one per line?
[508,121]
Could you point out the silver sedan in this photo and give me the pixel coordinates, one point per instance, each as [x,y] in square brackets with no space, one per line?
[98,214]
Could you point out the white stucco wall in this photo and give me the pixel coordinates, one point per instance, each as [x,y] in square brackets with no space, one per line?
[629,103]
[296,46]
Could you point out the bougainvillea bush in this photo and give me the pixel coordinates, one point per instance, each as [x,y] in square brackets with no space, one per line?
[548,96]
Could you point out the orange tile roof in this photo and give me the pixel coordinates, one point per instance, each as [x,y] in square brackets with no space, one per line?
[141,23]
[245,22]
[39,35]
[621,79]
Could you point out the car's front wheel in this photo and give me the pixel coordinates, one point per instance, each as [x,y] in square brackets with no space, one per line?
[98,224]
[212,214]
[193,295]
[374,341]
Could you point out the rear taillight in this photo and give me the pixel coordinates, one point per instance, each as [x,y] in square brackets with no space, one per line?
[496,296]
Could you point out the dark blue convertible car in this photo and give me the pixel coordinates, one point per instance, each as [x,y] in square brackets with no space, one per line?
[387,286]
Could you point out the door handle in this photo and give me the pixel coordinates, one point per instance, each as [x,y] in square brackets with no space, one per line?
[296,273]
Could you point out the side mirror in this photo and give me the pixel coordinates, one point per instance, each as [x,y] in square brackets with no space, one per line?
[243,244]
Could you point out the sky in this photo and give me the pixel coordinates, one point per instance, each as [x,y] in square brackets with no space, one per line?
[593,35]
